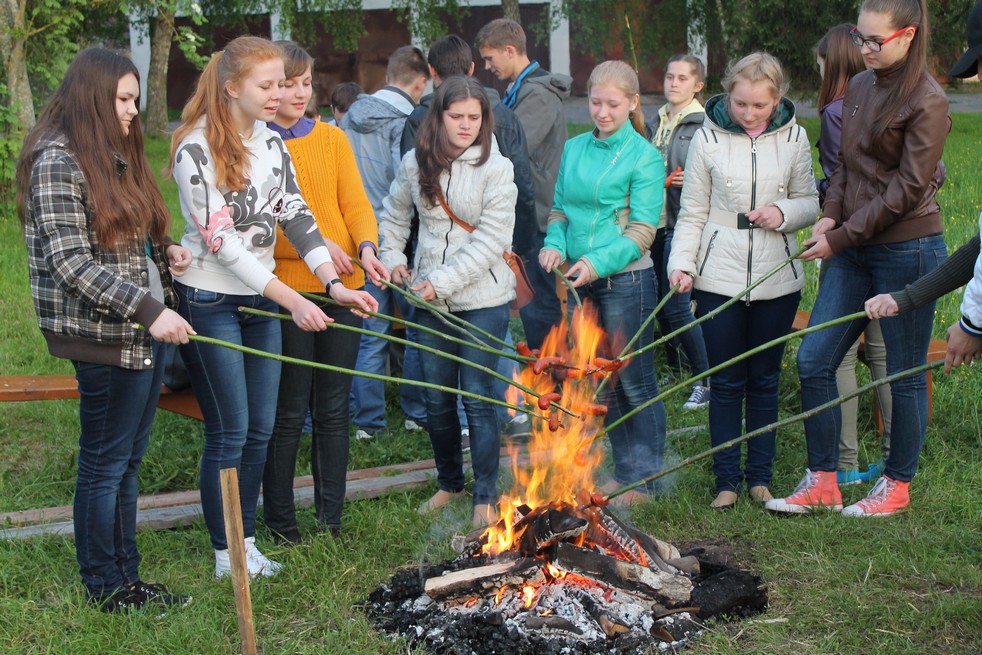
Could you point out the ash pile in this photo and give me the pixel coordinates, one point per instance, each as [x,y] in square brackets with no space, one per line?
[563,579]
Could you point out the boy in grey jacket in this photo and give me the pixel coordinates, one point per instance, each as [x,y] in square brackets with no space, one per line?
[536,96]
[374,126]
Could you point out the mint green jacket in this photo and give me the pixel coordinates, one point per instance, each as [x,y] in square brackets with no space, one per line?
[608,201]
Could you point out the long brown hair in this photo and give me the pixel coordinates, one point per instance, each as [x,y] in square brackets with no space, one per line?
[902,13]
[842,60]
[621,76]
[433,153]
[212,102]
[125,206]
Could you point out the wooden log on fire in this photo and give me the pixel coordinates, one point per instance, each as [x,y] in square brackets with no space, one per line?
[484,580]
[670,588]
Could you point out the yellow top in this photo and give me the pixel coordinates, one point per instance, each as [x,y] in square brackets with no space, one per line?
[330,183]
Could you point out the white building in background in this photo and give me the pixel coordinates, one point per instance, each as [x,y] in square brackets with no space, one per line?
[559,43]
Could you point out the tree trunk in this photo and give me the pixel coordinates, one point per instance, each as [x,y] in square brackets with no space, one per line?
[511,10]
[15,61]
[161,33]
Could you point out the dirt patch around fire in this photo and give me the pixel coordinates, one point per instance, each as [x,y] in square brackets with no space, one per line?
[724,592]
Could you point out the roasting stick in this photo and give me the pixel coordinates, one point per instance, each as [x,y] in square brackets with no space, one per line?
[729,362]
[634,339]
[232,511]
[418,346]
[445,317]
[774,426]
[479,345]
[671,335]
[347,371]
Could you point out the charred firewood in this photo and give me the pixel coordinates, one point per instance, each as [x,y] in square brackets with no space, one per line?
[668,587]
[553,622]
[484,580]
[611,627]
[546,526]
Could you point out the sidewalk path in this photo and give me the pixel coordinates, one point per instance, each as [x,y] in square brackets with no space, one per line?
[577,110]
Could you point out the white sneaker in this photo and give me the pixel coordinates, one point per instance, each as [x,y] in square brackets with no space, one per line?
[698,399]
[362,435]
[412,426]
[465,440]
[259,565]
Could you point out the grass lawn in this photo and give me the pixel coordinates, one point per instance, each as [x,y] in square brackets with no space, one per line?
[908,584]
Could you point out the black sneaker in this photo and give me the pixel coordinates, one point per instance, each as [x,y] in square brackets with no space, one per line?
[122,601]
[158,594]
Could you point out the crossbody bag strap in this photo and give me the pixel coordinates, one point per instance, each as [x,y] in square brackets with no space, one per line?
[453,217]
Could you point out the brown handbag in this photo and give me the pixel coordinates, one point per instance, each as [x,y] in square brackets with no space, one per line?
[524,293]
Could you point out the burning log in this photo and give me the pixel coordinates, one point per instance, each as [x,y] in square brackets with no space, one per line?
[545,526]
[484,580]
[669,587]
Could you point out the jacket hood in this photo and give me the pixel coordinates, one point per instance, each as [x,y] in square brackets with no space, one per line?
[556,83]
[371,113]
[719,116]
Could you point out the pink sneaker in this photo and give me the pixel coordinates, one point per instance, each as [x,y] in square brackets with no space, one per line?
[818,490]
[887,497]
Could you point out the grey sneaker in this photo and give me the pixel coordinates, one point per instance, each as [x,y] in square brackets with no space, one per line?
[364,435]
[465,439]
[518,428]
[412,426]
[698,399]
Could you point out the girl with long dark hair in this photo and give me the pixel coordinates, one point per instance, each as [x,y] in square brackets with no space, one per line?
[464,192]
[98,256]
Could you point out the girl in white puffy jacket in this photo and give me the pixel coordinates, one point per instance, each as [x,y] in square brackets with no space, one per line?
[748,187]
[464,192]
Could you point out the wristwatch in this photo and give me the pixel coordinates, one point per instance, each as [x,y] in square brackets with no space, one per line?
[330,284]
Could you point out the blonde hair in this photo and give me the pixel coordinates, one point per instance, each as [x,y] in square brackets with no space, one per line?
[211,101]
[621,76]
[755,67]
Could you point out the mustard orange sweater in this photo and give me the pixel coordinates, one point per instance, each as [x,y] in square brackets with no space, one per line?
[330,183]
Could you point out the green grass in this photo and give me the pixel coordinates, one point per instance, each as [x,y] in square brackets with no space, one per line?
[909,584]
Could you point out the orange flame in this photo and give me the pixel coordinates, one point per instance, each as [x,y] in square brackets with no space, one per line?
[528,595]
[554,572]
[562,462]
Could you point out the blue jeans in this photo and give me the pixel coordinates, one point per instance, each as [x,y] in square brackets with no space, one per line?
[441,407]
[237,395]
[116,409]
[545,311]
[677,313]
[851,277]
[368,396]
[325,393]
[749,386]
[625,300]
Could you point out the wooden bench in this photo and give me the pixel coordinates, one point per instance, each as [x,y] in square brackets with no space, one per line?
[935,351]
[62,387]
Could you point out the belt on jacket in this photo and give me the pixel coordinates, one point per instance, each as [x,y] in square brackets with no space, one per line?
[723,217]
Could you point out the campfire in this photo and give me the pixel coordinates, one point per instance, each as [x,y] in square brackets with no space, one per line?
[560,571]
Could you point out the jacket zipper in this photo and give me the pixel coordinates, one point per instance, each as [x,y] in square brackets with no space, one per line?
[596,202]
[753,203]
[709,249]
[446,236]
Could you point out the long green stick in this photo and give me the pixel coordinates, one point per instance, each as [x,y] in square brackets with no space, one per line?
[475,344]
[729,362]
[446,317]
[777,424]
[739,296]
[637,335]
[418,346]
[372,376]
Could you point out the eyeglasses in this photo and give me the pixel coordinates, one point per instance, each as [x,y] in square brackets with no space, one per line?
[874,46]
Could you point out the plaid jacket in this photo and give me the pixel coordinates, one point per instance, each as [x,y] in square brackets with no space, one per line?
[86,297]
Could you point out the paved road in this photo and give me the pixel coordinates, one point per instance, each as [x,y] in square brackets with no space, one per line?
[578,112]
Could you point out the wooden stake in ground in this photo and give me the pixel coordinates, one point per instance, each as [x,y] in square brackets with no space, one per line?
[236,554]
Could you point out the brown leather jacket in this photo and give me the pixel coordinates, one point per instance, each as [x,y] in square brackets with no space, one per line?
[884,192]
